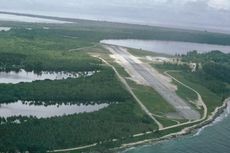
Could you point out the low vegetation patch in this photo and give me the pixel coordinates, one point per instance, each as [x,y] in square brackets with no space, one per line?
[211,78]
[151,99]
[102,87]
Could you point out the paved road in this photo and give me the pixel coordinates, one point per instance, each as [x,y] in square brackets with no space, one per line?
[182,107]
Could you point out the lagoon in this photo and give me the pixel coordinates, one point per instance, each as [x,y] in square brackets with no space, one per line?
[27,109]
[24,76]
[166,47]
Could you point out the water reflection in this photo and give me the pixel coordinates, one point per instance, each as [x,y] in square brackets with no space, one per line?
[23,76]
[20,108]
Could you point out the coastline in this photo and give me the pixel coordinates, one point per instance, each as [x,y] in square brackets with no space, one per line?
[188,130]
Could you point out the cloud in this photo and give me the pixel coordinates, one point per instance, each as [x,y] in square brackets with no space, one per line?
[219,4]
[215,4]
[199,13]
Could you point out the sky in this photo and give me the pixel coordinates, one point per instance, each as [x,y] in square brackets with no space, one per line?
[213,15]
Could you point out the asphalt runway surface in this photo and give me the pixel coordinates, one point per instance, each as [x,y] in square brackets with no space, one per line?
[184,109]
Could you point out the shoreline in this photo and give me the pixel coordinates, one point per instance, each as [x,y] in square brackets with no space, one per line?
[188,130]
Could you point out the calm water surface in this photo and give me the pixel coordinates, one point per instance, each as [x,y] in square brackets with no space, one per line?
[41,111]
[23,76]
[167,47]
[215,138]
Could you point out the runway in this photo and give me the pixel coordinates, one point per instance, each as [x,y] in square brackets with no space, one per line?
[149,76]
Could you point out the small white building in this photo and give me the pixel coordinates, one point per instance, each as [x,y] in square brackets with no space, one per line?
[158,59]
[193,67]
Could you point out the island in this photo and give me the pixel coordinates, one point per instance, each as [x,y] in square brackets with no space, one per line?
[101,96]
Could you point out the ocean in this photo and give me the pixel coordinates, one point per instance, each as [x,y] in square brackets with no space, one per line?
[214,138]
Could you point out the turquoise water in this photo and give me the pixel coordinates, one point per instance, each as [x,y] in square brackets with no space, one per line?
[215,138]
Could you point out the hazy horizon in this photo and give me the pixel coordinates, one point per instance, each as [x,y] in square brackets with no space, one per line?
[211,15]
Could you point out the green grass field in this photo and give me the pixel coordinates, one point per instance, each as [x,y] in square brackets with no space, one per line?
[151,99]
[185,93]
[211,99]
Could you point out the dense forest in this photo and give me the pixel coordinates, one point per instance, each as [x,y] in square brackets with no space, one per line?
[49,50]
[15,62]
[93,31]
[217,57]
[38,135]
[102,87]
[211,78]
[214,72]
[33,48]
